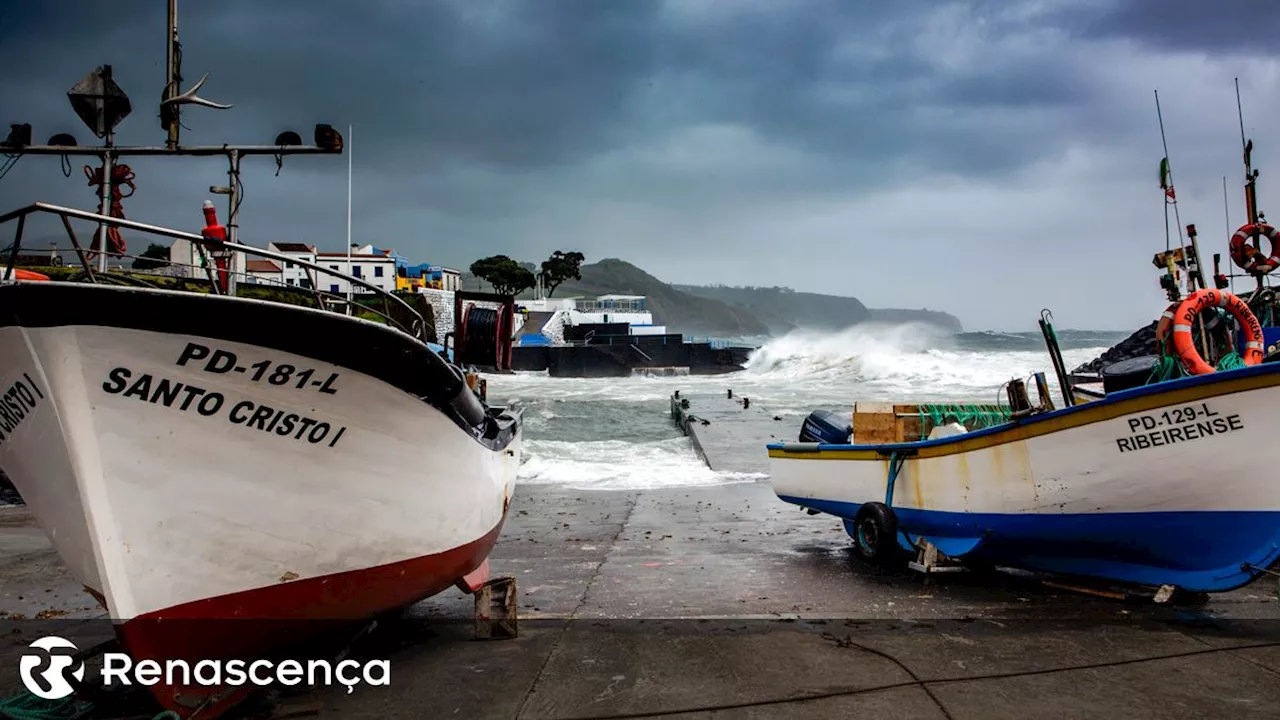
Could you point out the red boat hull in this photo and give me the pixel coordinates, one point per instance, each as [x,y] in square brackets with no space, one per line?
[264,622]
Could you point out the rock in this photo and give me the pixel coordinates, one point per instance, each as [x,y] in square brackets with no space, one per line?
[1142,342]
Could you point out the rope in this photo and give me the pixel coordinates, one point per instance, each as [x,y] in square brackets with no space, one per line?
[1167,368]
[26,706]
[1231,361]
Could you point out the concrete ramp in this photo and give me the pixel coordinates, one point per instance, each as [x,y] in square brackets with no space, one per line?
[730,433]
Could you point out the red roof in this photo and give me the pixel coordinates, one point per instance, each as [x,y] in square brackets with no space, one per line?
[261,266]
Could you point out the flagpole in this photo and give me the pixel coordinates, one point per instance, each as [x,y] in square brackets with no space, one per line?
[349,165]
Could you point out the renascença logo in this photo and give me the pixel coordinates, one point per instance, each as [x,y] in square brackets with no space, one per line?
[49,683]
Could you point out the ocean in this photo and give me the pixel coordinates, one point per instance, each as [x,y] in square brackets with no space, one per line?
[616,433]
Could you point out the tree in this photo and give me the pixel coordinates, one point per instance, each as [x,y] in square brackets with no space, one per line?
[504,274]
[560,267]
[154,257]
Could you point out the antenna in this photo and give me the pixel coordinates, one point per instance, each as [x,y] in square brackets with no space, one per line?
[170,113]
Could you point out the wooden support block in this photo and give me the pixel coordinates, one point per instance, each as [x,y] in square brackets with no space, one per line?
[496,609]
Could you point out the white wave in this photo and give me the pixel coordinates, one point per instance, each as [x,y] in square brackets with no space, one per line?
[620,465]
[804,367]
[599,434]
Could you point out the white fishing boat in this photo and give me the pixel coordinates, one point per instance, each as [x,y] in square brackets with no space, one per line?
[1168,483]
[197,454]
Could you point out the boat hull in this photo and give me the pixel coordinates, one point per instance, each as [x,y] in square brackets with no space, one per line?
[1165,484]
[195,479]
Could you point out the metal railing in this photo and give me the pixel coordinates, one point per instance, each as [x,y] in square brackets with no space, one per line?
[415,327]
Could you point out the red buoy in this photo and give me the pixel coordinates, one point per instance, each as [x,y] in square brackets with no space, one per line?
[212,230]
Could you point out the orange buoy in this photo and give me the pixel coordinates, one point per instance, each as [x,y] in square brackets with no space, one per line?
[1251,259]
[21,274]
[1200,301]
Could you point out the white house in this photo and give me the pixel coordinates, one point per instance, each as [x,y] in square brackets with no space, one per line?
[263,272]
[296,275]
[376,267]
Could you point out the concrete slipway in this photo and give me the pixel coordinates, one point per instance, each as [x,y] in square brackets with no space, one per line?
[722,602]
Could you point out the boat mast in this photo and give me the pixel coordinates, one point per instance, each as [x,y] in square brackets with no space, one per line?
[1192,252]
[172,79]
[1250,182]
[350,289]
[1226,216]
[101,105]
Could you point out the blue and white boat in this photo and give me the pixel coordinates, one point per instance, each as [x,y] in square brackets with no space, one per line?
[1172,483]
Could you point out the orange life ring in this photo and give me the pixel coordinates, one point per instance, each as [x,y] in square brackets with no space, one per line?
[1250,258]
[21,274]
[1205,299]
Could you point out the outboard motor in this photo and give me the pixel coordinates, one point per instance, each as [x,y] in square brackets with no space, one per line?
[825,426]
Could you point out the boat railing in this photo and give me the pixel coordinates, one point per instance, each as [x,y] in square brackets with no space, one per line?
[412,322]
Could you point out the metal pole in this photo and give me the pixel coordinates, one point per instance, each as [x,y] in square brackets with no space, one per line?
[171,70]
[349,166]
[104,205]
[1226,214]
[233,213]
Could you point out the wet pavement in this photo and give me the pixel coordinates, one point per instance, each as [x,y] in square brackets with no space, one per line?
[725,602]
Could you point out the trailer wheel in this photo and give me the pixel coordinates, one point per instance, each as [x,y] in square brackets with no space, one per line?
[875,533]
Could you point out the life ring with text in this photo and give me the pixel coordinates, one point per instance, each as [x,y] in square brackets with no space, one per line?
[21,274]
[1206,299]
[1250,258]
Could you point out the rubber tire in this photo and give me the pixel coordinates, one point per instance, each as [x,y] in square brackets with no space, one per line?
[875,534]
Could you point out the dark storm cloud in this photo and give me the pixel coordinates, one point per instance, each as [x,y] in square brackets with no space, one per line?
[675,132]
[525,85]
[1221,27]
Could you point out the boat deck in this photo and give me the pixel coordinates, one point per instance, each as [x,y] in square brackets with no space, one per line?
[728,436]
[645,604]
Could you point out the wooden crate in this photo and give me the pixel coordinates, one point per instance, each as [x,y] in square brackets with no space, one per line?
[875,423]
[879,422]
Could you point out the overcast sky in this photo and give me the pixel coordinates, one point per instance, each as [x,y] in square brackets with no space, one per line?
[985,158]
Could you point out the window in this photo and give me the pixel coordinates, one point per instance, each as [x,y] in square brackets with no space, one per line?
[377,271]
[355,271]
[333,289]
[333,267]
